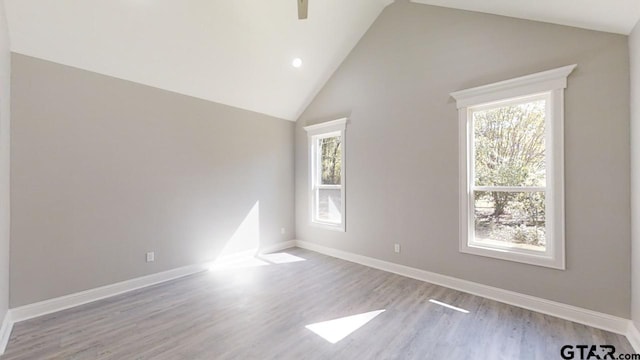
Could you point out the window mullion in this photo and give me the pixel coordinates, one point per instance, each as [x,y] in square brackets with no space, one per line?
[328,187]
[509,188]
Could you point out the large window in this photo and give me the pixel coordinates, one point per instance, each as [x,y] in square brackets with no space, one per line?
[511,169]
[327,174]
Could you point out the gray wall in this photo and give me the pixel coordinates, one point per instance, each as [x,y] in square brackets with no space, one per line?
[403,152]
[104,170]
[5,77]
[634,52]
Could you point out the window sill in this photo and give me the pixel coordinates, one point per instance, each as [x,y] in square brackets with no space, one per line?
[521,256]
[328,226]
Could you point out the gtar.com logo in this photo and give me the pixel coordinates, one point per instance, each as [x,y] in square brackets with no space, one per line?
[586,352]
[593,352]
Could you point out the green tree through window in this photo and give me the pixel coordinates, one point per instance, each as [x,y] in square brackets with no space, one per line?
[510,152]
[331,158]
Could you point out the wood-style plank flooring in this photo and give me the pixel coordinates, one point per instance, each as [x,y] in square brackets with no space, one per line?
[260,312]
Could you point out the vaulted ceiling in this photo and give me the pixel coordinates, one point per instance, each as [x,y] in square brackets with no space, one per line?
[235,52]
[617,16]
[239,52]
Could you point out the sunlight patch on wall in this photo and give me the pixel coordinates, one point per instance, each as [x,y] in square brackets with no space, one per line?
[247,235]
[242,249]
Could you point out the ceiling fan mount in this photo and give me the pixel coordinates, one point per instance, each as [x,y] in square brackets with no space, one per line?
[303,9]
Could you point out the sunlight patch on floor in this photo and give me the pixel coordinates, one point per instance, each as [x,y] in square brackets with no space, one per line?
[448,306]
[280,258]
[242,250]
[238,263]
[249,259]
[337,329]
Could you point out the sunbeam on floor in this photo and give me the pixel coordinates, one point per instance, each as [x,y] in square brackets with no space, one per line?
[338,329]
[448,306]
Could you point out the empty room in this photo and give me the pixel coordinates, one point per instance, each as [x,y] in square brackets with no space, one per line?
[319,179]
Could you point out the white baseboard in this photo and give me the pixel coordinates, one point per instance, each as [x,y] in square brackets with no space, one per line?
[633,335]
[5,331]
[80,298]
[277,247]
[68,301]
[572,313]
[595,319]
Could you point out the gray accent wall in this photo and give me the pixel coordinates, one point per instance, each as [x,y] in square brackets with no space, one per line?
[634,52]
[105,170]
[5,77]
[402,158]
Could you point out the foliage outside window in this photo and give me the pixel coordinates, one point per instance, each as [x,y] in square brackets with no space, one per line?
[509,174]
[327,170]
[511,169]
[331,159]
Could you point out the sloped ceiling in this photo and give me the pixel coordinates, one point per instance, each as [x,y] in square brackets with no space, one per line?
[239,52]
[234,52]
[617,16]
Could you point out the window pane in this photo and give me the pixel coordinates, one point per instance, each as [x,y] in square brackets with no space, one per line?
[509,145]
[329,205]
[330,160]
[513,219]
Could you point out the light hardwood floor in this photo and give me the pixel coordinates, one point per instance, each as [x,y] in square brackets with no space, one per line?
[260,312]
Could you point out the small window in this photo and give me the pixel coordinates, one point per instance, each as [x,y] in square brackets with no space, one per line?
[511,169]
[327,174]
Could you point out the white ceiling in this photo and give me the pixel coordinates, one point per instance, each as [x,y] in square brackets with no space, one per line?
[235,52]
[239,52]
[617,16]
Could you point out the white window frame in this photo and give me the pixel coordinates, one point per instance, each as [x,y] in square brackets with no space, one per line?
[315,133]
[548,85]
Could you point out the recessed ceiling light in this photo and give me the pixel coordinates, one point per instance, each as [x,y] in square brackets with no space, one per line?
[296,63]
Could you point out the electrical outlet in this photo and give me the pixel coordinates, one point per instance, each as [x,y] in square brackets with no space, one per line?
[151,256]
[282,231]
[396,248]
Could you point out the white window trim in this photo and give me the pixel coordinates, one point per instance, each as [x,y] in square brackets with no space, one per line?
[318,131]
[549,83]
